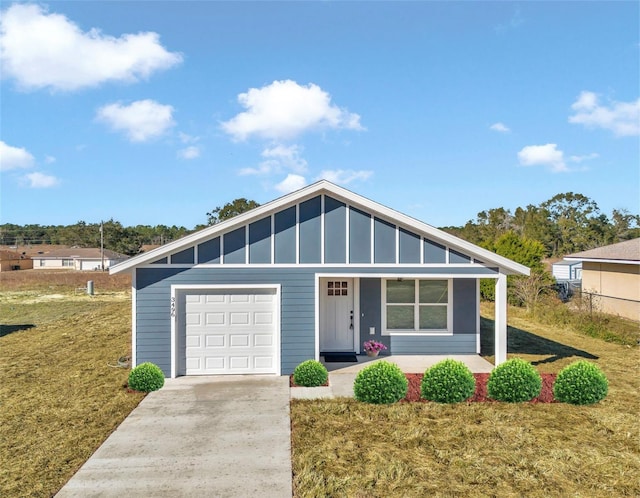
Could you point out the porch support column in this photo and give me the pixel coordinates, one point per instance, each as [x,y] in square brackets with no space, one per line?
[501,319]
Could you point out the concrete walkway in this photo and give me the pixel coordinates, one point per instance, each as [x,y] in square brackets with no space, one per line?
[342,375]
[226,436]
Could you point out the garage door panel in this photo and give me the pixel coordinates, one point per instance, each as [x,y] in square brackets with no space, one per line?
[230,332]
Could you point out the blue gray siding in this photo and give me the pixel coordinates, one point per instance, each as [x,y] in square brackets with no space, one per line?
[296,234]
[335,238]
[310,231]
[359,236]
[453,344]
[153,320]
[285,236]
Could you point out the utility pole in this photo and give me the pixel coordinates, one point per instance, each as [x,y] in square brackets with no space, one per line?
[102,245]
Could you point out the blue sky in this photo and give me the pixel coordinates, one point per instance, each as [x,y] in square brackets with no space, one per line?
[157,112]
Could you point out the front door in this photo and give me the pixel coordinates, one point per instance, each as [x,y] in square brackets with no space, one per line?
[336,314]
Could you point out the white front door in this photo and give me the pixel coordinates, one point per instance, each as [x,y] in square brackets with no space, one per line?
[336,314]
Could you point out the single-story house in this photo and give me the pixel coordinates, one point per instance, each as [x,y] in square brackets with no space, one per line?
[11,260]
[611,274]
[567,271]
[77,258]
[319,270]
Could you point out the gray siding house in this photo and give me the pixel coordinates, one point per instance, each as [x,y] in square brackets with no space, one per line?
[319,270]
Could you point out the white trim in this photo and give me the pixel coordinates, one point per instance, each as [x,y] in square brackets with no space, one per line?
[397,233]
[273,239]
[134,328]
[500,320]
[247,229]
[381,266]
[297,234]
[322,222]
[177,288]
[478,316]
[195,254]
[347,226]
[343,195]
[356,314]
[221,249]
[372,239]
[596,260]
[416,304]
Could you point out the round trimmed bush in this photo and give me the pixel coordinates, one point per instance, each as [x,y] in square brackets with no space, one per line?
[146,377]
[514,381]
[310,373]
[581,383]
[380,383]
[449,381]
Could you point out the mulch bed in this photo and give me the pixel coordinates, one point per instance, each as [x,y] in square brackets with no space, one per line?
[546,395]
[413,394]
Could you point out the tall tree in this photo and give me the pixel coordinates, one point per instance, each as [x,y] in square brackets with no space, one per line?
[230,209]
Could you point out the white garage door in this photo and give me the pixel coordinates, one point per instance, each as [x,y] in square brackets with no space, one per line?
[231,332]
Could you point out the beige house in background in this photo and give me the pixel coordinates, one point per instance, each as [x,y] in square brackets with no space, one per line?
[613,274]
[10,261]
[77,258]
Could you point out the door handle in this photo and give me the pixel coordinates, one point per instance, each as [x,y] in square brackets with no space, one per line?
[351,316]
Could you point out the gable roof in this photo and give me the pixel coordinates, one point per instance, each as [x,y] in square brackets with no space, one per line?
[352,199]
[627,252]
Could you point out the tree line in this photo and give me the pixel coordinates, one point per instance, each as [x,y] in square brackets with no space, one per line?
[564,224]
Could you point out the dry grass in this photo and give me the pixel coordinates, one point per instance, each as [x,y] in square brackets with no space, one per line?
[345,448]
[62,281]
[59,396]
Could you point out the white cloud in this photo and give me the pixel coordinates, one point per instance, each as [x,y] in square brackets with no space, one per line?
[285,109]
[585,157]
[141,120]
[41,50]
[543,155]
[622,118]
[279,158]
[501,127]
[188,139]
[191,152]
[290,183]
[40,180]
[344,176]
[14,157]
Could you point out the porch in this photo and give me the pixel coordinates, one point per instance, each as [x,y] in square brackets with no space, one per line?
[343,374]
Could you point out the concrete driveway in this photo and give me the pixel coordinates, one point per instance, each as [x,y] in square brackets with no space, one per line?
[225,436]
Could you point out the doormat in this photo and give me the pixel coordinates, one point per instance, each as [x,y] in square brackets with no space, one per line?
[340,358]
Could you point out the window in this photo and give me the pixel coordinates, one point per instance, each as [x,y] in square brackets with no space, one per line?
[417,306]
[337,288]
[67,262]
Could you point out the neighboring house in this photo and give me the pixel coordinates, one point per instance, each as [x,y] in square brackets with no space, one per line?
[613,274]
[77,258]
[567,271]
[10,260]
[319,270]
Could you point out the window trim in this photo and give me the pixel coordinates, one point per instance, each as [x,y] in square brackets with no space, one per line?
[416,304]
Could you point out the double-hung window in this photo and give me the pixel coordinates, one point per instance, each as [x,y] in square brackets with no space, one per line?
[417,306]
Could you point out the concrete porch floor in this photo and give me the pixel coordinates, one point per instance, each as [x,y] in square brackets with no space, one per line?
[342,375]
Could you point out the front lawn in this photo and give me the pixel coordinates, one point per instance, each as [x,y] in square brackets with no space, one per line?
[61,392]
[345,448]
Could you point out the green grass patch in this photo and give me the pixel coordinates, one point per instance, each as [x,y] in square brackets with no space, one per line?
[345,448]
[59,396]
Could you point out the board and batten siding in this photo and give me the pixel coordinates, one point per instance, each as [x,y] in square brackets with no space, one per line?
[297,311]
[320,230]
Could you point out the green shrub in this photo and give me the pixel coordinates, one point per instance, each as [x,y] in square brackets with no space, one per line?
[448,381]
[380,383]
[581,383]
[146,377]
[515,380]
[310,373]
